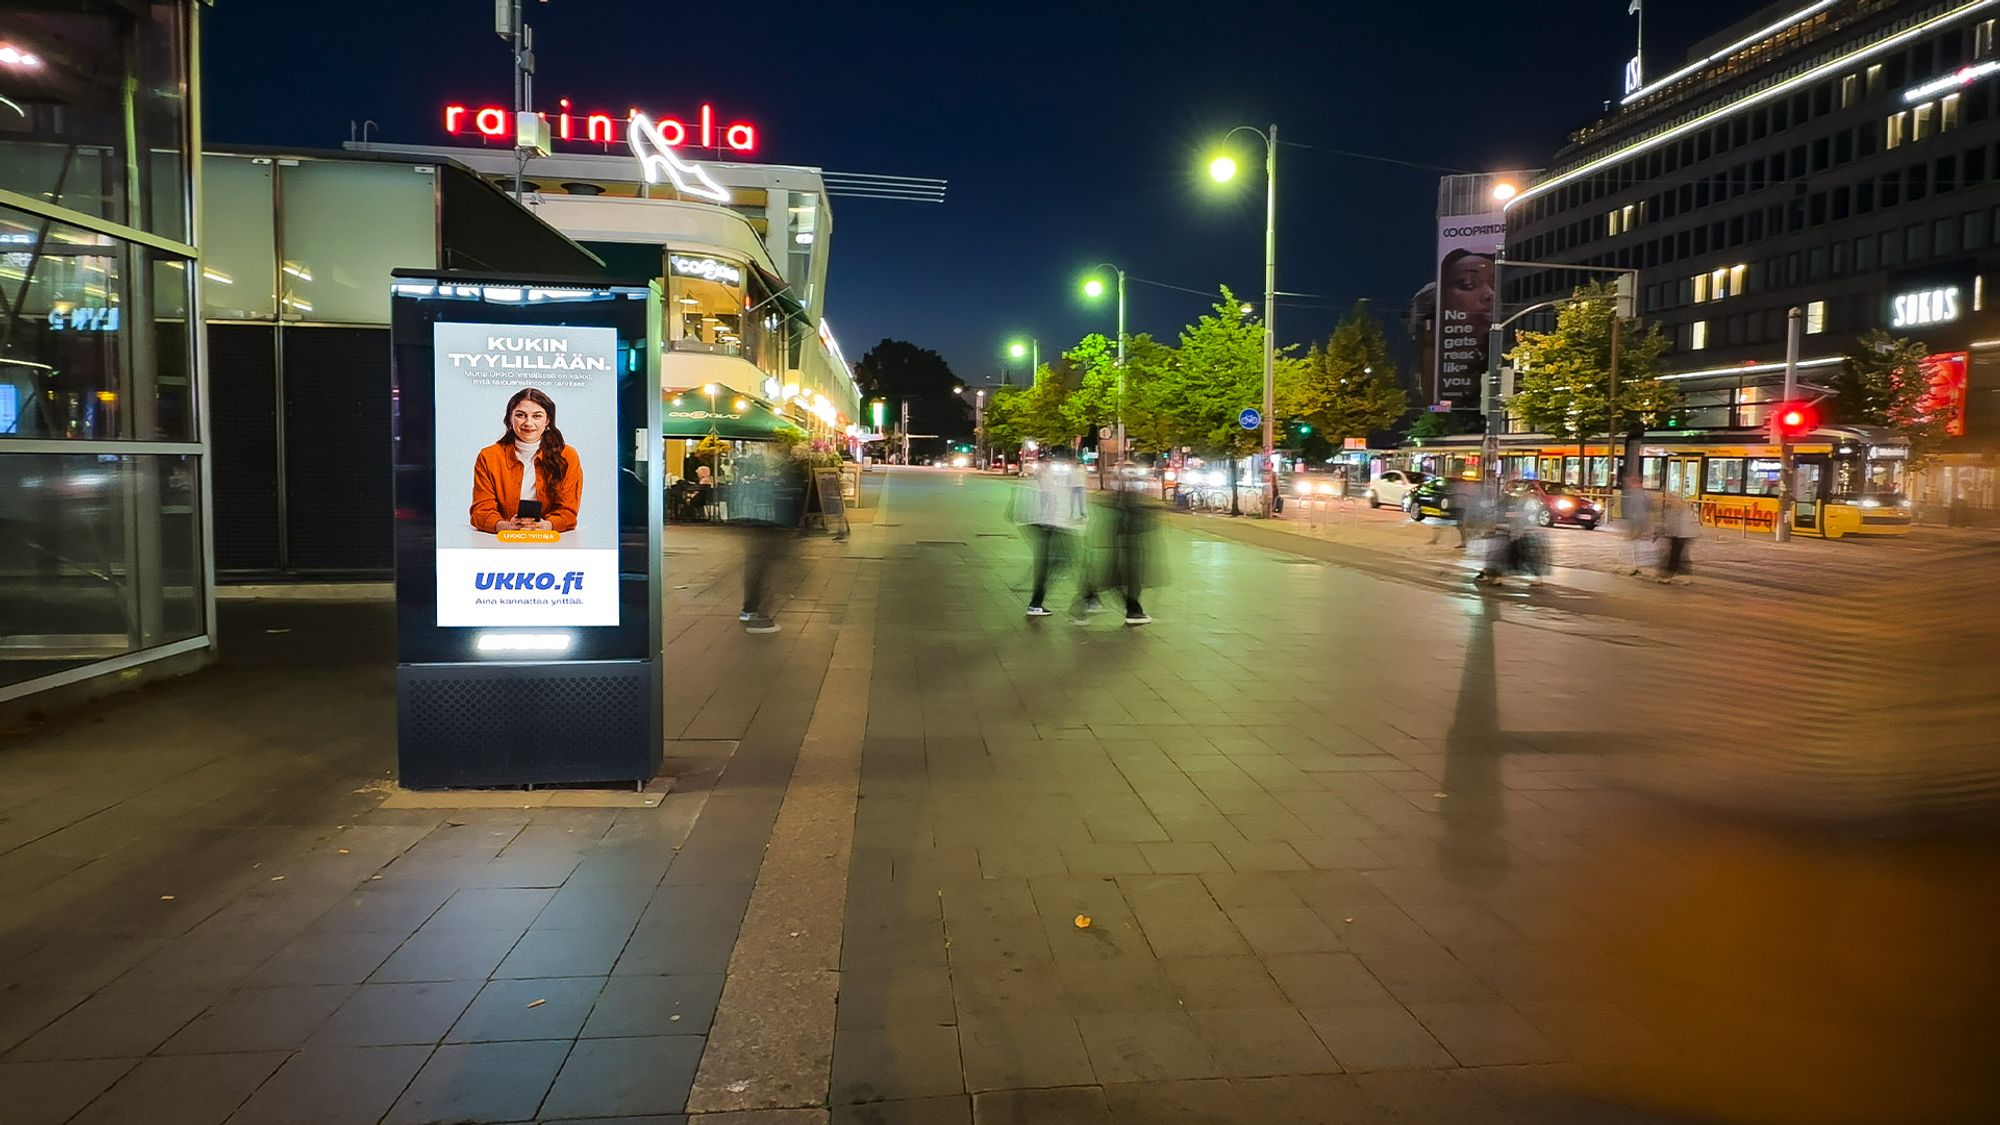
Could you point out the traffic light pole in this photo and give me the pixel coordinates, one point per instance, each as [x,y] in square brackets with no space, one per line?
[1787,500]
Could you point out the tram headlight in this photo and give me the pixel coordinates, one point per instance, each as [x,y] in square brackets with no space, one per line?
[1870,502]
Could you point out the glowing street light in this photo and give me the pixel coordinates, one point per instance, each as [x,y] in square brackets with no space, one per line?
[1094,288]
[1222,169]
[1504,191]
[1032,350]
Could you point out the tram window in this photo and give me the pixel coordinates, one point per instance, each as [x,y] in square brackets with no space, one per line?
[1763,478]
[1725,475]
[1552,468]
[1651,471]
[1572,473]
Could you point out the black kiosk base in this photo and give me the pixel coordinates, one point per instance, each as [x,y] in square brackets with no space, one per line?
[528,513]
[470,730]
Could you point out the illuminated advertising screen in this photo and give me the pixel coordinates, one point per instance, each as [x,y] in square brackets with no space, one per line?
[1467,245]
[525,437]
[527,501]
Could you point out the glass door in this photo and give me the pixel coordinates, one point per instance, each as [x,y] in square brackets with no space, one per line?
[1806,477]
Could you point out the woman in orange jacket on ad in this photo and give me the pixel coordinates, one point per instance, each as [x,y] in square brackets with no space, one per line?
[500,481]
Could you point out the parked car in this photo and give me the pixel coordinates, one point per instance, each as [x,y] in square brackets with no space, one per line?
[1393,486]
[1556,504]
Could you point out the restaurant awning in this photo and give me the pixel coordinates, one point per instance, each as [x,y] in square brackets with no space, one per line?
[753,423]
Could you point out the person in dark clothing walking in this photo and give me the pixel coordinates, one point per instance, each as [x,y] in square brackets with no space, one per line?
[1127,526]
[774,506]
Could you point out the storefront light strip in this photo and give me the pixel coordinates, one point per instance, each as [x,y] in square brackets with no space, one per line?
[1725,52]
[1781,89]
[1750,368]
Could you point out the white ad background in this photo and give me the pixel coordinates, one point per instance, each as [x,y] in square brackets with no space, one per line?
[477,368]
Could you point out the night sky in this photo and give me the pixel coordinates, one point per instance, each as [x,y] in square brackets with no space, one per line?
[1070,133]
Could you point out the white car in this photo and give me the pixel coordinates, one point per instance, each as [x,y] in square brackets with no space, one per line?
[1391,487]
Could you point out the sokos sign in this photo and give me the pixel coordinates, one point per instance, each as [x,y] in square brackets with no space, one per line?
[1924,306]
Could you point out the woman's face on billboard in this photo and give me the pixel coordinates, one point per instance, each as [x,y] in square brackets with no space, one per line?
[528,420]
[1469,286]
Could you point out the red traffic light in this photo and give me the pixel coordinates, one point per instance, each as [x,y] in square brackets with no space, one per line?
[1793,420]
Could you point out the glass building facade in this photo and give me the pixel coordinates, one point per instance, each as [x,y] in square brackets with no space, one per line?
[104,560]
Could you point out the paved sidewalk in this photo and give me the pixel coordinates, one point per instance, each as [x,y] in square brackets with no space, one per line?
[211,917]
[1334,839]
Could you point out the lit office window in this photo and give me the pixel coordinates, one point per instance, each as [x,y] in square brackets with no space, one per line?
[1982,39]
[1611,222]
[1739,274]
[1979,293]
[1632,211]
[1718,284]
[1948,112]
[1700,288]
[1874,80]
[1920,121]
[1815,318]
[1893,129]
[1698,335]
[1850,90]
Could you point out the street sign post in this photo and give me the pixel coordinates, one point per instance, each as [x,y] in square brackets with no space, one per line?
[1250,419]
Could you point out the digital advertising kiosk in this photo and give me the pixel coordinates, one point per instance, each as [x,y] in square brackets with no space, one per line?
[528,513]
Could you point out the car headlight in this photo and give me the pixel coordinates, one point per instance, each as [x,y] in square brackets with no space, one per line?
[1565,504]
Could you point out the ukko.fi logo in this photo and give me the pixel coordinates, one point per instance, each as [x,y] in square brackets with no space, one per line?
[528,580]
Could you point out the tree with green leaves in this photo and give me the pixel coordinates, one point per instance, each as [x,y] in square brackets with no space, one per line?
[1563,378]
[1347,386]
[1219,373]
[1151,424]
[1883,383]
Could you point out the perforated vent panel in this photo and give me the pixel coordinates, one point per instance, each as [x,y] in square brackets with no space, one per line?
[461,725]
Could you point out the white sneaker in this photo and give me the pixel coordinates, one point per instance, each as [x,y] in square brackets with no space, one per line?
[1038,611]
[1137,619]
[761,625]
[746,615]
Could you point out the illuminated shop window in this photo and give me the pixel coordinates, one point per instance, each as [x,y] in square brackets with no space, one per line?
[707,296]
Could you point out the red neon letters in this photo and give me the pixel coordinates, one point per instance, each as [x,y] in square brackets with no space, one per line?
[491,122]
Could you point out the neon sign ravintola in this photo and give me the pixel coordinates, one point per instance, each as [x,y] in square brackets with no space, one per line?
[494,123]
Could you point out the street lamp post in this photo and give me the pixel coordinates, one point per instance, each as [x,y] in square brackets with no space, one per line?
[1221,169]
[1095,288]
[1031,349]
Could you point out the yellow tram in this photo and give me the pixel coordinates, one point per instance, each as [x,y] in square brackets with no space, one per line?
[1849,478]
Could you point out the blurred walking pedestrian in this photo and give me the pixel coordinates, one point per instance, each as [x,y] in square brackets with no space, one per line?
[1049,507]
[1127,524]
[1639,521]
[772,506]
[1679,524]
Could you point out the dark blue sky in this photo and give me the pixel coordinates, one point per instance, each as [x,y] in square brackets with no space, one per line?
[1070,133]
